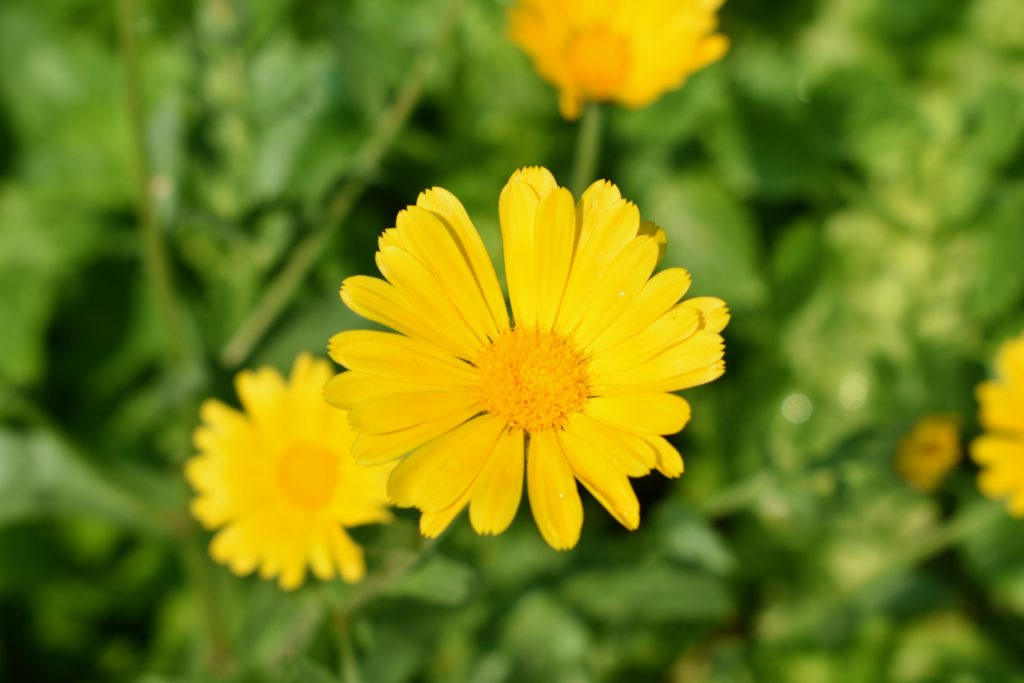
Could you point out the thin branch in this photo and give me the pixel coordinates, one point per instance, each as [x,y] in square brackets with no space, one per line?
[368,159]
[154,253]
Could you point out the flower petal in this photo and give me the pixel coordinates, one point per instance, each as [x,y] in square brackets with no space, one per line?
[374,449]
[697,360]
[641,413]
[451,211]
[434,476]
[608,484]
[617,289]
[397,357]
[554,499]
[381,302]
[499,488]
[397,412]
[659,294]
[427,239]
[554,237]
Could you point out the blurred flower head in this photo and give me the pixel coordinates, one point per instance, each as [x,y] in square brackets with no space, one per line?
[629,52]
[929,452]
[278,481]
[576,388]
[1000,451]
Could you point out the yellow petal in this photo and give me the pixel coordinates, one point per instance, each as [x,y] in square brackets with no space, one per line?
[554,235]
[347,389]
[608,484]
[695,361]
[499,488]
[641,413]
[657,296]
[670,463]
[433,524]
[427,238]
[1001,407]
[381,302]
[714,311]
[658,234]
[261,392]
[605,232]
[668,331]
[434,476]
[448,208]
[320,560]
[617,289]
[398,412]
[517,211]
[554,499]
[421,287]
[376,449]
[396,357]
[628,452]
[348,556]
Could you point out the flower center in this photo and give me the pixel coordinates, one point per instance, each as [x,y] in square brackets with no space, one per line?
[534,380]
[598,61]
[307,474]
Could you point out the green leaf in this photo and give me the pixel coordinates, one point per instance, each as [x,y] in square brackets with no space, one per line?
[40,476]
[439,581]
[649,593]
[709,234]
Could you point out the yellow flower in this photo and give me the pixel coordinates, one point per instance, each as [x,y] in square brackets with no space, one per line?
[1000,452]
[626,51]
[279,481]
[929,452]
[577,388]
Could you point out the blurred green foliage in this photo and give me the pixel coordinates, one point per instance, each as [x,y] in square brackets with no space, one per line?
[850,179]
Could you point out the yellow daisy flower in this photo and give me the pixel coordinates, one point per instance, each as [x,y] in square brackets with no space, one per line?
[929,452]
[626,51]
[1000,452]
[576,389]
[279,481]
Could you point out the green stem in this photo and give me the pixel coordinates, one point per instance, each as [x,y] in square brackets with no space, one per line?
[369,157]
[220,657]
[347,662]
[154,253]
[373,586]
[588,148]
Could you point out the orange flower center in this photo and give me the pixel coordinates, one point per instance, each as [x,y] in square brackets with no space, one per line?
[598,61]
[307,474]
[534,380]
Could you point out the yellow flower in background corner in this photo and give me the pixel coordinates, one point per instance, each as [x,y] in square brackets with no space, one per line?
[576,389]
[1000,451]
[279,482]
[626,51]
[929,452]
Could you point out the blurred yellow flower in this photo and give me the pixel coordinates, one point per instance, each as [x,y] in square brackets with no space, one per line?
[279,481]
[626,51]
[1000,451]
[929,452]
[576,388]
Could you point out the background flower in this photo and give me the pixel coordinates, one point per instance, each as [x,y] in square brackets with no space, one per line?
[929,451]
[1000,451]
[278,481]
[626,51]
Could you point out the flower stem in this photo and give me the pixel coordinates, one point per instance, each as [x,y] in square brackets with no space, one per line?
[588,148]
[367,160]
[154,252]
[347,662]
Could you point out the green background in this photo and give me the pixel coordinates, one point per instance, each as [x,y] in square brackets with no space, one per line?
[850,179]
